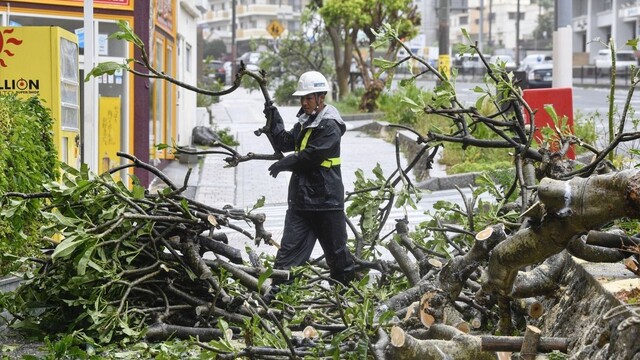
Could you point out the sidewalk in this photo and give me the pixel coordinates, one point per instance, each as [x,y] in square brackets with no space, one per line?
[241,112]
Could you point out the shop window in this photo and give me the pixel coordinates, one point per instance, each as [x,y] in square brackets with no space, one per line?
[161,124]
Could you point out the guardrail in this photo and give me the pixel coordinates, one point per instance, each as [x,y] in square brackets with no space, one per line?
[582,75]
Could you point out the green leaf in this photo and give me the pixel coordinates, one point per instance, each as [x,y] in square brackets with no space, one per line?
[84,261]
[258,204]
[109,67]
[60,219]
[127,34]
[552,113]
[264,276]
[138,192]
[66,247]
[384,64]
[410,102]
[466,34]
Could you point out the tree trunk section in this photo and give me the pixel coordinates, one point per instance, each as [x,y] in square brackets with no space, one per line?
[403,346]
[571,208]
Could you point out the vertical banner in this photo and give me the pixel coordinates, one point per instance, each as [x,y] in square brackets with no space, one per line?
[109,133]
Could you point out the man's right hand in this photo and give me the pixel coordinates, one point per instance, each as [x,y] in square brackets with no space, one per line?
[271,112]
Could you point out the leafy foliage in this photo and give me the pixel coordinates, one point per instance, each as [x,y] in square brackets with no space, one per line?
[346,21]
[27,151]
[296,54]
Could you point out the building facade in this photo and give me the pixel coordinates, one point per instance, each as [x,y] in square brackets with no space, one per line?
[252,18]
[493,24]
[134,113]
[594,22]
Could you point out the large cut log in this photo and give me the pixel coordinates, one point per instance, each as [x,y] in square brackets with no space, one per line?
[514,343]
[530,343]
[161,331]
[403,346]
[541,280]
[435,308]
[571,208]
[456,271]
[408,266]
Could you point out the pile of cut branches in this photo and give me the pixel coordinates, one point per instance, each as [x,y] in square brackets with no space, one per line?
[131,264]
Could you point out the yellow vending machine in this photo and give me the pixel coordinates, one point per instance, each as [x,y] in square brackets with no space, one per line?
[43,61]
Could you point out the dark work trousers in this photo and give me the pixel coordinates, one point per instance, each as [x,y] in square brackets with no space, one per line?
[302,228]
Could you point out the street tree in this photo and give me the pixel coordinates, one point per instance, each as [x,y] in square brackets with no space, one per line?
[351,27]
[214,49]
[291,56]
[132,265]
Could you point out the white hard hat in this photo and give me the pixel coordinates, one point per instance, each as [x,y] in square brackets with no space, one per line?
[311,82]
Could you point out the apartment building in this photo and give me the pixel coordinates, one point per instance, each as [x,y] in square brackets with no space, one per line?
[596,21]
[493,23]
[252,18]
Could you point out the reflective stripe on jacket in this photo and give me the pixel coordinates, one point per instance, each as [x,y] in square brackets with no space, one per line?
[316,179]
[303,144]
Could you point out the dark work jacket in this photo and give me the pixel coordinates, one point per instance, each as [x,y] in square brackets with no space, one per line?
[313,186]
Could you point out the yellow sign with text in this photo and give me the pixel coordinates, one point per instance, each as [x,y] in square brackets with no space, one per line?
[109,133]
[43,61]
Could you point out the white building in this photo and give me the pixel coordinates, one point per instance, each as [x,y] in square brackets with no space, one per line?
[601,20]
[189,12]
[253,17]
[498,18]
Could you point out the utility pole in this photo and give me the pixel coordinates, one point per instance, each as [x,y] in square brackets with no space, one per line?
[444,61]
[490,43]
[518,34]
[234,50]
[481,32]
[443,27]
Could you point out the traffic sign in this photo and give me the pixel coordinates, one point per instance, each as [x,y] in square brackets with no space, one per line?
[275,28]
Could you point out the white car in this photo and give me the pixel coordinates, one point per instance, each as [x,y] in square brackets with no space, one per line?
[508,61]
[624,60]
[533,59]
[251,60]
[471,64]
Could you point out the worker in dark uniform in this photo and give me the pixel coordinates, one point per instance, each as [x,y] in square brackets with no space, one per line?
[316,191]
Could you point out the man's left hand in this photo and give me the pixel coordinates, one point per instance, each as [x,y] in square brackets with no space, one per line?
[284,164]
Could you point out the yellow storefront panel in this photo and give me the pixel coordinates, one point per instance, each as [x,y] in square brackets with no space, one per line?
[109,132]
[43,61]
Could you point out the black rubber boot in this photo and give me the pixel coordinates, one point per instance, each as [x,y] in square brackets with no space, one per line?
[271,295]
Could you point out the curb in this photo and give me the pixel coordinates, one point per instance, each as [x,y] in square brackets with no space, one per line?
[407,141]
[10,283]
[448,182]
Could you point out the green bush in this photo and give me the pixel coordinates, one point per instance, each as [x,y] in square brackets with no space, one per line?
[396,109]
[28,160]
[283,93]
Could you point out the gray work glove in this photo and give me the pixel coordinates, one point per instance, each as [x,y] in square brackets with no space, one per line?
[284,164]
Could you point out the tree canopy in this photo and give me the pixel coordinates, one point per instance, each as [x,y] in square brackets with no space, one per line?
[351,26]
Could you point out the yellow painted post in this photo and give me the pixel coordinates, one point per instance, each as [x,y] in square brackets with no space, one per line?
[444,65]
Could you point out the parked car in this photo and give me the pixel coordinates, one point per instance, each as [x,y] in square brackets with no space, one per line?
[471,64]
[214,70]
[624,60]
[510,64]
[251,60]
[533,59]
[540,75]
